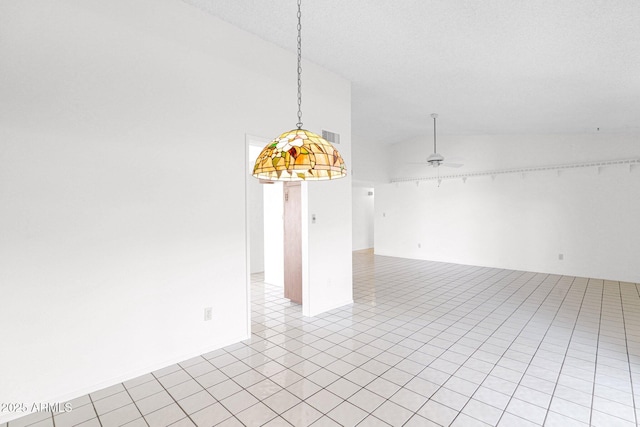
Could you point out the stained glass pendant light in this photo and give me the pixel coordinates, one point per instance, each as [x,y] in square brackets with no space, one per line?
[299,155]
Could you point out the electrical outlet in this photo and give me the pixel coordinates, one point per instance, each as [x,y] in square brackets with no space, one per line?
[561,257]
[208,313]
[419,245]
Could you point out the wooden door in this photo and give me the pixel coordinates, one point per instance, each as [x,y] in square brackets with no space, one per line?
[293,241]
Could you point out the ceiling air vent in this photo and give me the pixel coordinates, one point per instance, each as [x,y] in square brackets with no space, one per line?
[333,138]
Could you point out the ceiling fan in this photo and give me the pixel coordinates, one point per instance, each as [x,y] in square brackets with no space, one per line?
[436,159]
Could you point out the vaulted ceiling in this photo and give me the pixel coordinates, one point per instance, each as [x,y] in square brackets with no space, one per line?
[487,67]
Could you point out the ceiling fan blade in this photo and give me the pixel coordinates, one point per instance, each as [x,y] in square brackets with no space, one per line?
[452,165]
[456,159]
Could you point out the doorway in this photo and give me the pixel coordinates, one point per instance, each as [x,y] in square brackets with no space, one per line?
[264,207]
[266,234]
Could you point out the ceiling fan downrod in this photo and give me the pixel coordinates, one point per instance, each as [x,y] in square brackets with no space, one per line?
[435,116]
[434,159]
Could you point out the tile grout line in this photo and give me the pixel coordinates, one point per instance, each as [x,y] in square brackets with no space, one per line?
[410,318]
[95,410]
[564,358]
[595,370]
[382,351]
[170,395]
[415,351]
[134,402]
[626,343]
[540,305]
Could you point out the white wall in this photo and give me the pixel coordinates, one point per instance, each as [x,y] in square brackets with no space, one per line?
[256,227]
[255,208]
[363,217]
[122,186]
[370,162]
[327,278]
[370,169]
[515,221]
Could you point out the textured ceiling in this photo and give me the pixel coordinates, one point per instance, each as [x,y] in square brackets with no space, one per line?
[487,67]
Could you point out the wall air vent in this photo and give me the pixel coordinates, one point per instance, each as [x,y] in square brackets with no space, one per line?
[333,138]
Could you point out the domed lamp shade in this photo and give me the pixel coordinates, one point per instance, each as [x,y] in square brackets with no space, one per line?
[299,155]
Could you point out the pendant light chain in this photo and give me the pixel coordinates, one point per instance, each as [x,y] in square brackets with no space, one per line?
[299,124]
[298,154]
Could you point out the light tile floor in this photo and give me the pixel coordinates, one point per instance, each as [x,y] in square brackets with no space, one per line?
[424,344]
